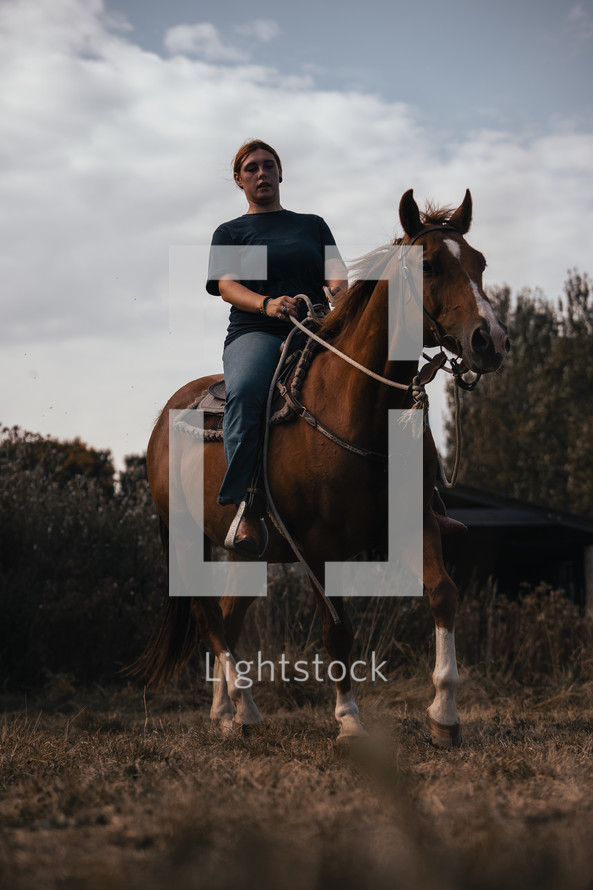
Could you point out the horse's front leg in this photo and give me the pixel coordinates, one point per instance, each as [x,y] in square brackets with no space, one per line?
[233,706]
[338,642]
[442,722]
[222,713]
[347,715]
[232,702]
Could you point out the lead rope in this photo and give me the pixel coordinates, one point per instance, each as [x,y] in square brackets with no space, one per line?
[458,445]
[450,483]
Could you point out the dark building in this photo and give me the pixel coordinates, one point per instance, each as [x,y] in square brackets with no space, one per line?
[518,542]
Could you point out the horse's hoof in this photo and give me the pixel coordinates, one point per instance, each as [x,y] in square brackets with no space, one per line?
[351,735]
[245,730]
[221,726]
[442,736]
[231,728]
[343,740]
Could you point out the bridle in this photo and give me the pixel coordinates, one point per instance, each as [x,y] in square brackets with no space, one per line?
[458,366]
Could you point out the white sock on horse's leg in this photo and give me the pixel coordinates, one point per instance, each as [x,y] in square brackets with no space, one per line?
[443,710]
[222,708]
[347,715]
[239,693]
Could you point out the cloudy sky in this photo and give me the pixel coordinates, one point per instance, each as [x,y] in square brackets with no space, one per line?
[119,123]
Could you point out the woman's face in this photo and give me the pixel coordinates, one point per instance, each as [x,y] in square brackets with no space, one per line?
[259,177]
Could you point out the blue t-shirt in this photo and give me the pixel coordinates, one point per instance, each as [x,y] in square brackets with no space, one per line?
[295,245]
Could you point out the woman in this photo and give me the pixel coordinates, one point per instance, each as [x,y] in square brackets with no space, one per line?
[259,262]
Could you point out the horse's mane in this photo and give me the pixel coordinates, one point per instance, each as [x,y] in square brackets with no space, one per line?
[433,215]
[352,304]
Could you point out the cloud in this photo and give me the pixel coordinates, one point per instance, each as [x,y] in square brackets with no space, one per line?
[262,30]
[111,155]
[577,14]
[202,40]
[580,19]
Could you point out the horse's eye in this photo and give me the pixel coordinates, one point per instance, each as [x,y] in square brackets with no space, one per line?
[427,268]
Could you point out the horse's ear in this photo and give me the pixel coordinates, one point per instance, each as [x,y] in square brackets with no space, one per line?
[462,218]
[409,214]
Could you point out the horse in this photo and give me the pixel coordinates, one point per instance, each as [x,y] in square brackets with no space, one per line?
[333,500]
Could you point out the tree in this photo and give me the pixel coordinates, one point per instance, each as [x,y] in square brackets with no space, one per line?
[60,461]
[134,474]
[528,429]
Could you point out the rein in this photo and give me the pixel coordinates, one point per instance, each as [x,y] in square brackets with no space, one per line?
[340,354]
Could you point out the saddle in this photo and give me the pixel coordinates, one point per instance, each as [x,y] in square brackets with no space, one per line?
[213,399]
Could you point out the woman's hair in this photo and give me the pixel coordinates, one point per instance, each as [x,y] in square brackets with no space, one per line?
[253,145]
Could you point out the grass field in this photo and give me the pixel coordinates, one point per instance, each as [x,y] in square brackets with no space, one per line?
[111,788]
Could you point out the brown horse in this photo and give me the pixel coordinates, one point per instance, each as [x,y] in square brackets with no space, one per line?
[334,501]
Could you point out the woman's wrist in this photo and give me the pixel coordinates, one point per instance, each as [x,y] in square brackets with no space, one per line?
[263,304]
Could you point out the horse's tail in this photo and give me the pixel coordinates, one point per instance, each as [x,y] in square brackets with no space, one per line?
[171,646]
[174,639]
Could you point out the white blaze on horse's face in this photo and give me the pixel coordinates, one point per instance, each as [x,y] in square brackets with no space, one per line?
[454,248]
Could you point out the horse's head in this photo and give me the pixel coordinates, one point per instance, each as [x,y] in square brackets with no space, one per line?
[457,312]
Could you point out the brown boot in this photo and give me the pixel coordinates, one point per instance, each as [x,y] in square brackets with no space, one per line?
[247,535]
[449,526]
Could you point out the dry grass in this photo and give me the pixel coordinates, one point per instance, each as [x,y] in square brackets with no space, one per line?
[105,789]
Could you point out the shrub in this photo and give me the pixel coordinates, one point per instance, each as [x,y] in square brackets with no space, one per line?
[81,576]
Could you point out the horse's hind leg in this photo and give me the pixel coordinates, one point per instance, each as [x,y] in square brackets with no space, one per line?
[442,722]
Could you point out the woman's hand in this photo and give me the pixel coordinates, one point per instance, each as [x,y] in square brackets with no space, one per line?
[282,307]
[238,295]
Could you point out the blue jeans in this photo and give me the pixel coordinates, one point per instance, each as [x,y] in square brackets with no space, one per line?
[249,363]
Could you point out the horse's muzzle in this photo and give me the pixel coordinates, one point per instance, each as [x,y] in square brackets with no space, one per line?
[487,348]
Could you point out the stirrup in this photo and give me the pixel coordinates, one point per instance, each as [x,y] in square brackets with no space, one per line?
[256,501]
[230,542]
